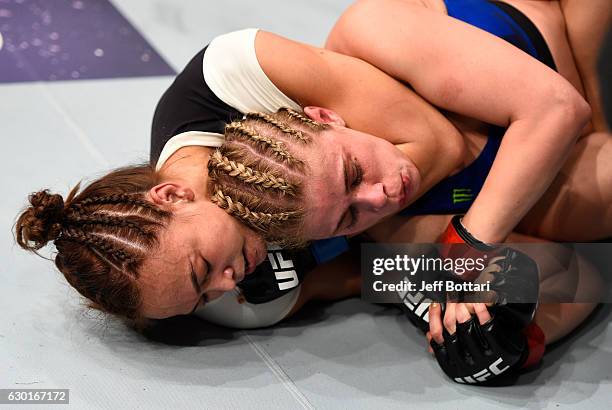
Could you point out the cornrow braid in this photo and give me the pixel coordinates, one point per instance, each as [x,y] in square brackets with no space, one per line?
[305,120]
[107,220]
[101,244]
[259,159]
[127,199]
[103,235]
[251,218]
[276,147]
[260,180]
[297,134]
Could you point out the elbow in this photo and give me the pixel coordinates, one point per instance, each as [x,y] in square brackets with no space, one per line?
[571,110]
[583,110]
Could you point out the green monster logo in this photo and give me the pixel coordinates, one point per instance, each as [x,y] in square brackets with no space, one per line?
[462,195]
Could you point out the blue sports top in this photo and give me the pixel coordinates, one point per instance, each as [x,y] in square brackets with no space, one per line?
[456,193]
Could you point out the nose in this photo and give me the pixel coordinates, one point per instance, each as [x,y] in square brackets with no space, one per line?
[224,281]
[371,197]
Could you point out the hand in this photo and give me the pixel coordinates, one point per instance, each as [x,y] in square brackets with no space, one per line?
[475,348]
[454,313]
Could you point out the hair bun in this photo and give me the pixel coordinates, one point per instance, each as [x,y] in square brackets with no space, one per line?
[41,222]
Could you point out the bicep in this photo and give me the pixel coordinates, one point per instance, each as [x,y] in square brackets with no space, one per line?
[451,64]
[355,89]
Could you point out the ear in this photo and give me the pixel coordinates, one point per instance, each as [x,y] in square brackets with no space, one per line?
[170,193]
[324,115]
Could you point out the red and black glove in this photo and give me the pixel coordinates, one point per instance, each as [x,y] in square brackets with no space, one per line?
[457,243]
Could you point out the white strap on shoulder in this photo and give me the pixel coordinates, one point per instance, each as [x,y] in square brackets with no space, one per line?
[233,73]
[185,139]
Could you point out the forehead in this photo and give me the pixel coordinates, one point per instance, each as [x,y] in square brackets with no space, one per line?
[324,187]
[322,154]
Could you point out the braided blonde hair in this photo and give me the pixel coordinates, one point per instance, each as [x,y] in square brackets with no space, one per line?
[257,177]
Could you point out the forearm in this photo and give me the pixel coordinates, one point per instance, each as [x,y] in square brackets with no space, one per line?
[335,280]
[532,153]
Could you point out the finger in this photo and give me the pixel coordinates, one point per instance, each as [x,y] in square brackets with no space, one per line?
[482,313]
[470,308]
[435,323]
[428,336]
[450,318]
[462,313]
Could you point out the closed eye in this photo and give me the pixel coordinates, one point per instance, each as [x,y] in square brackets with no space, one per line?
[357,174]
[206,274]
[357,178]
[353,175]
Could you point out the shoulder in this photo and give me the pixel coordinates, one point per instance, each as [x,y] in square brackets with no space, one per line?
[233,45]
[234,73]
[303,72]
[282,60]
[366,13]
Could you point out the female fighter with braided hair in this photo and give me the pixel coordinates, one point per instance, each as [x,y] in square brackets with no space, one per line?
[257,71]
[242,157]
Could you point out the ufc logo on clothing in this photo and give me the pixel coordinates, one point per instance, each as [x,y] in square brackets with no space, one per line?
[286,276]
[484,374]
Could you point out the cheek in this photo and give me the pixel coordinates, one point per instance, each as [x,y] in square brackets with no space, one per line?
[320,218]
[381,150]
[374,158]
[253,241]
[220,228]
[321,194]
[314,226]
[367,221]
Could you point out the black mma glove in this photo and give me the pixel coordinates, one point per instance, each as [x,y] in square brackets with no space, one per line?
[416,304]
[513,277]
[509,340]
[478,353]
